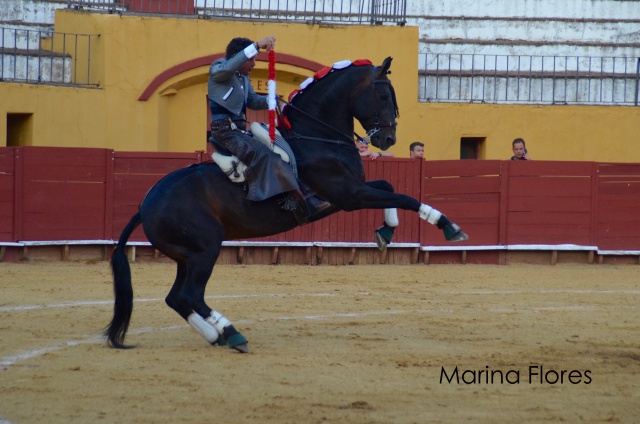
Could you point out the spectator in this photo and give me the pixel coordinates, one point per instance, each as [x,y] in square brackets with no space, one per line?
[416,150]
[363,149]
[519,150]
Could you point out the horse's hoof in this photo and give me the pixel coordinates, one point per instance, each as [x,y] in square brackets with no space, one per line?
[383,237]
[453,233]
[381,242]
[242,348]
[238,342]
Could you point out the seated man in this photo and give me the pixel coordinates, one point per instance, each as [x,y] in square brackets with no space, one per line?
[230,93]
[363,149]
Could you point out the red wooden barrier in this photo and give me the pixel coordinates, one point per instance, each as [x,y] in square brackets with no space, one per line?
[549,203]
[63,193]
[90,194]
[618,206]
[179,7]
[469,193]
[7,193]
[134,173]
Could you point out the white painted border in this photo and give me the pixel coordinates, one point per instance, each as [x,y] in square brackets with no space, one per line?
[240,243]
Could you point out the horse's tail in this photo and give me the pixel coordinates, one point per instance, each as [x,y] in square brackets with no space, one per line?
[117,328]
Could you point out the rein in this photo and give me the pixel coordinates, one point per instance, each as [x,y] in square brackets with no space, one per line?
[362,140]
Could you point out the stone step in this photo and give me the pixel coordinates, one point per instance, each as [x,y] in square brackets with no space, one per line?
[35,66]
[30,11]
[541,9]
[599,31]
[527,48]
[24,36]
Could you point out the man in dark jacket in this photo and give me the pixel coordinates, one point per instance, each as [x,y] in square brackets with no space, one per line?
[230,94]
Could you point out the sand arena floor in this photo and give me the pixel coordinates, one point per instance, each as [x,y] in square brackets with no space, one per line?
[350,344]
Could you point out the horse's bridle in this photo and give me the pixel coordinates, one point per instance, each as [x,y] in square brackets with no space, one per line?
[365,140]
[377,124]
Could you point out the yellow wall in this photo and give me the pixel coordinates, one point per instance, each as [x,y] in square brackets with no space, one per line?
[580,133]
[131,51]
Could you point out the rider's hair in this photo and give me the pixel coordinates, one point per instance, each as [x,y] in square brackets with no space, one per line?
[236,45]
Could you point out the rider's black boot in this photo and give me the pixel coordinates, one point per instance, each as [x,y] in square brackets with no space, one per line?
[312,205]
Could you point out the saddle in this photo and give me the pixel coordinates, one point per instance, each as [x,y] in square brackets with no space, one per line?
[235,169]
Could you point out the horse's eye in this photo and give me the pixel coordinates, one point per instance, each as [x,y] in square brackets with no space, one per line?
[384,97]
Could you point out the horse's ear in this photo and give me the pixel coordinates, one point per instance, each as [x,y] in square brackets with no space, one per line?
[383,69]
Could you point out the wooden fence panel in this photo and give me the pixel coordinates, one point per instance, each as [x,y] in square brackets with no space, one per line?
[63,191]
[468,193]
[134,173]
[7,193]
[618,221]
[549,203]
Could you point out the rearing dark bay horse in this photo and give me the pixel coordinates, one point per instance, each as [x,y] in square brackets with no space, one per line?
[190,212]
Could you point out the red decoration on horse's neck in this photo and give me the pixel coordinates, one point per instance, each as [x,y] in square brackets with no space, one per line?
[344,64]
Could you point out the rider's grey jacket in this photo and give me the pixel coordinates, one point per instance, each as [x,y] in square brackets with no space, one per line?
[232,90]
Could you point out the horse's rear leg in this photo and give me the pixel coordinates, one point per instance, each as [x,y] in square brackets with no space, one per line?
[187,299]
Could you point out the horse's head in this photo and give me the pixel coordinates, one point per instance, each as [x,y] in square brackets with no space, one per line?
[376,107]
[326,105]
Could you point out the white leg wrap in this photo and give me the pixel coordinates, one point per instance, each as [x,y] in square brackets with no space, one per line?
[206,330]
[391,217]
[218,321]
[429,214]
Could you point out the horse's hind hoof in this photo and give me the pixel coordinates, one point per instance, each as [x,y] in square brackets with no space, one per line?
[242,348]
[238,342]
[453,233]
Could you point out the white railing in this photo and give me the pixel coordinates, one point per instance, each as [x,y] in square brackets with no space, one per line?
[46,57]
[529,79]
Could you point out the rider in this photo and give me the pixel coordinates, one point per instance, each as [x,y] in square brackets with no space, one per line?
[230,93]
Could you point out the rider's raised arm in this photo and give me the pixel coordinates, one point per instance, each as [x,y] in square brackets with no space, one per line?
[223,69]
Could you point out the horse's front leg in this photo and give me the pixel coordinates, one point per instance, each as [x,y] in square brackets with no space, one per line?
[379,195]
[384,234]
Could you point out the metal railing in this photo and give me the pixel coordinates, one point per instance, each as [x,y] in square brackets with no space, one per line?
[46,57]
[371,12]
[529,79]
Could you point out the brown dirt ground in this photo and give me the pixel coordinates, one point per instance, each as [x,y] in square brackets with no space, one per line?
[348,344]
